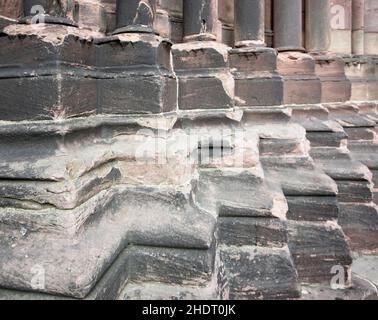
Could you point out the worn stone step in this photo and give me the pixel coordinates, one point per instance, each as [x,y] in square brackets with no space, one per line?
[239,193]
[361,134]
[299,177]
[366,152]
[278,147]
[312,208]
[123,279]
[326,139]
[355,191]
[259,273]
[217,288]
[342,169]
[73,264]
[360,223]
[242,231]
[317,247]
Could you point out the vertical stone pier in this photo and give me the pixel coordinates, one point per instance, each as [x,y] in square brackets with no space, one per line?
[330,67]
[301,85]
[254,66]
[135,72]
[201,63]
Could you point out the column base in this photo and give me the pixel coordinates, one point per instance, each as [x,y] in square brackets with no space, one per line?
[257,82]
[360,71]
[301,85]
[205,81]
[135,74]
[330,69]
[56,85]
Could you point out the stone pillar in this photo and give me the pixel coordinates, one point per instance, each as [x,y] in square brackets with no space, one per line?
[201,63]
[288,25]
[254,66]
[90,14]
[226,17]
[318,32]
[269,23]
[358,21]
[341,26]
[297,68]
[162,22]
[135,67]
[371,27]
[249,23]
[200,20]
[329,67]
[135,16]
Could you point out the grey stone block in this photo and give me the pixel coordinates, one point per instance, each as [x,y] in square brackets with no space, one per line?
[312,208]
[252,232]
[259,273]
[316,248]
[359,222]
[355,191]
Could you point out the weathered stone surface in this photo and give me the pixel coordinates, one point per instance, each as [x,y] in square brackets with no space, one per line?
[316,248]
[299,177]
[11,8]
[171,266]
[312,208]
[90,14]
[57,85]
[205,82]
[360,134]
[147,75]
[354,191]
[341,169]
[239,194]
[301,85]
[331,72]
[241,231]
[79,78]
[323,139]
[259,273]
[73,265]
[359,222]
[366,152]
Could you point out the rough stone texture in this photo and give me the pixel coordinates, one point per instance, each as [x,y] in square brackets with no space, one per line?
[259,273]
[77,76]
[127,172]
[359,222]
[316,248]
[257,82]
[205,82]
[301,85]
[11,8]
[331,71]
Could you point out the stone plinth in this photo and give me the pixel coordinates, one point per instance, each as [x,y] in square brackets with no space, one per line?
[205,81]
[301,85]
[257,82]
[330,69]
